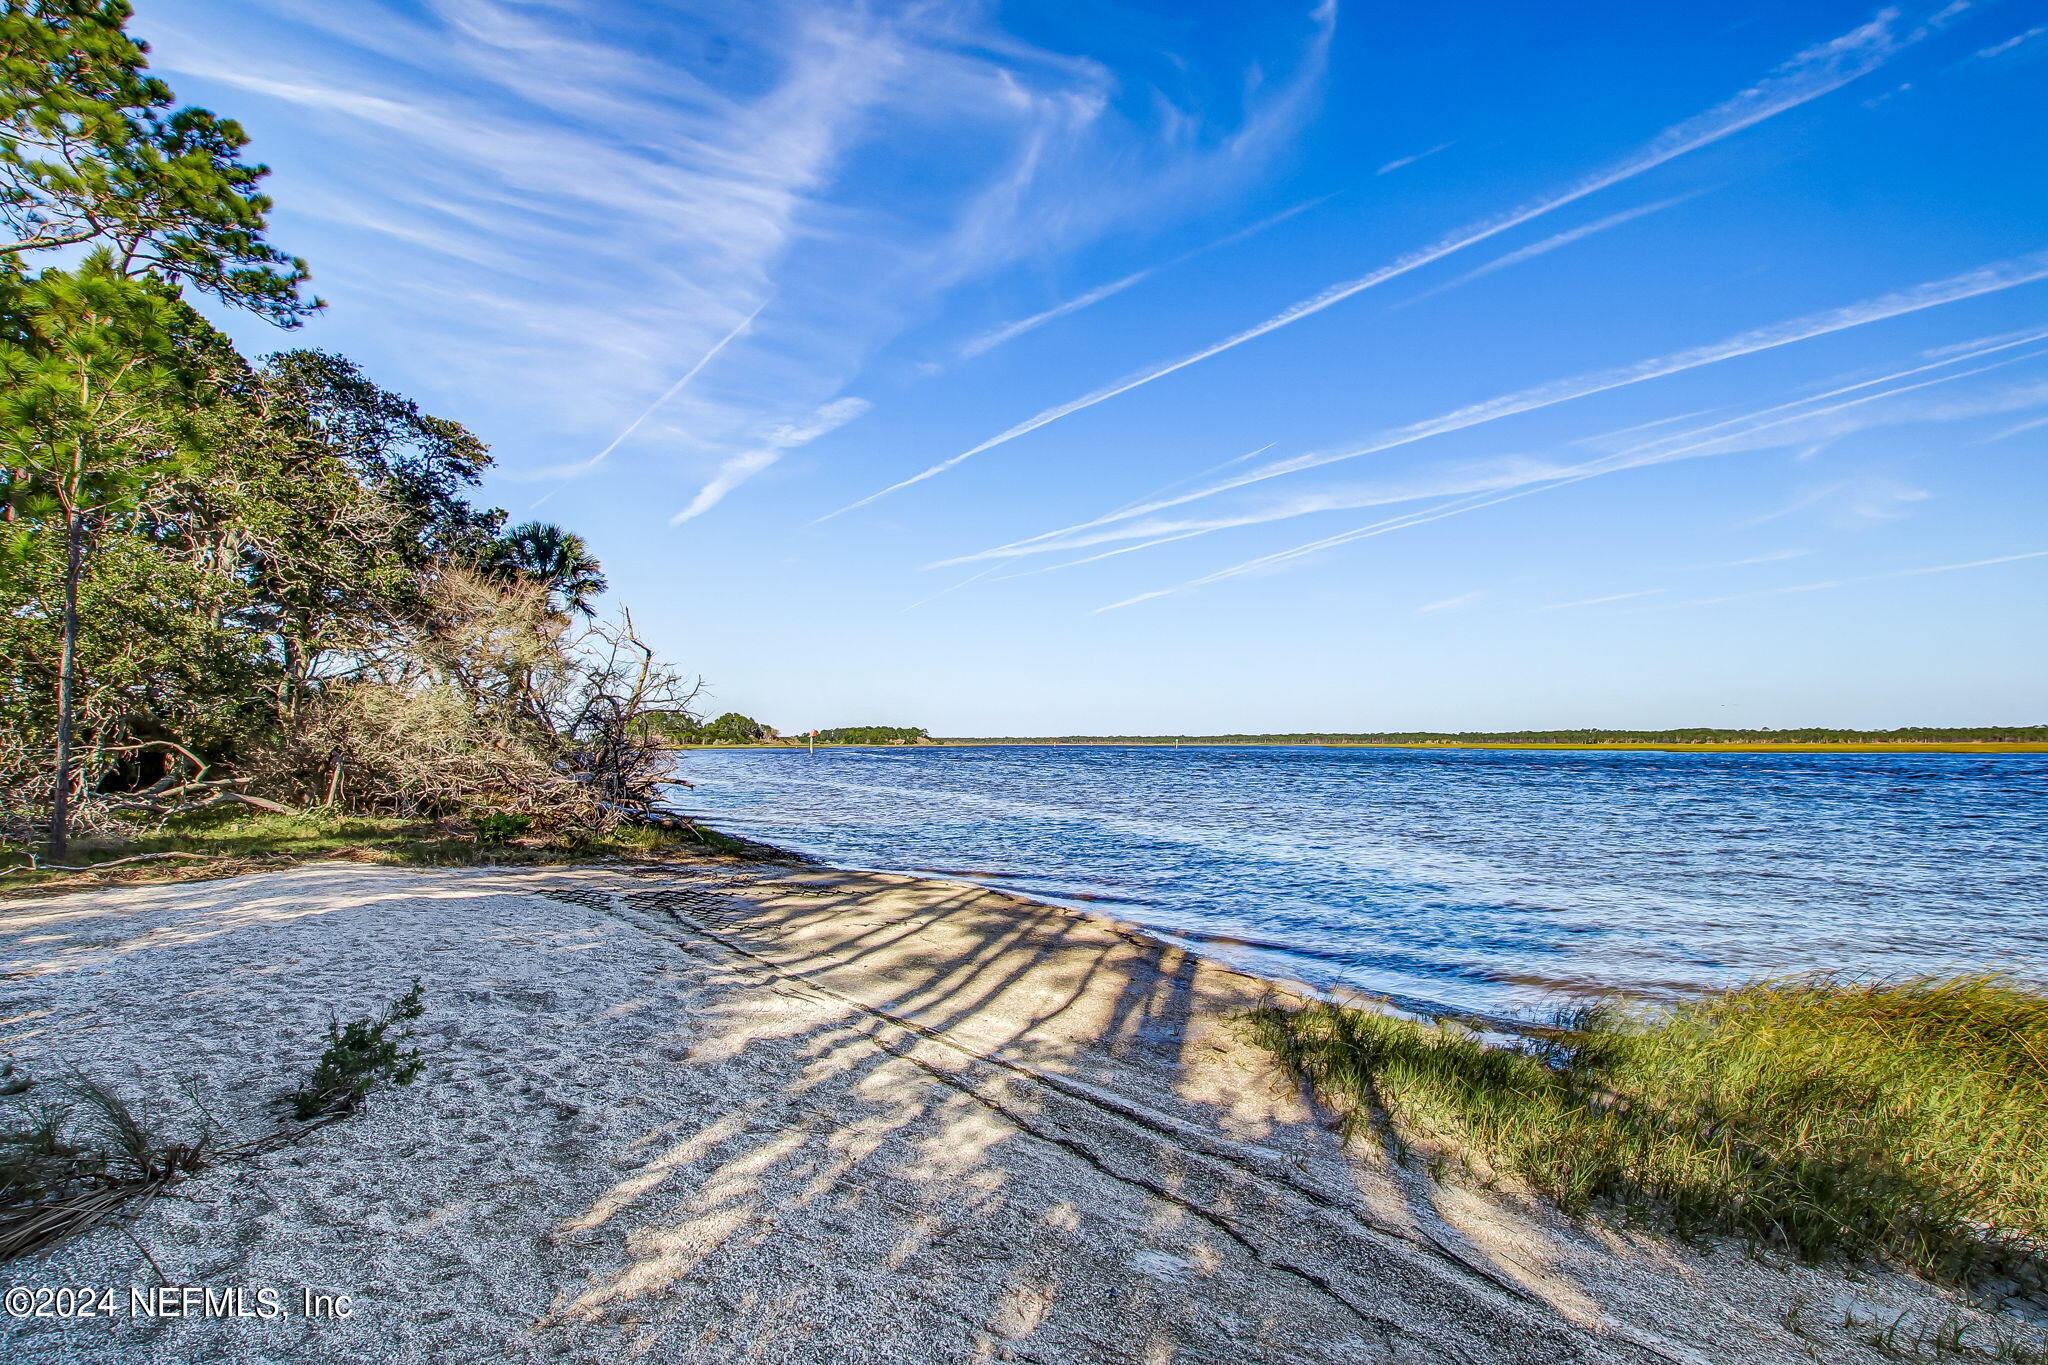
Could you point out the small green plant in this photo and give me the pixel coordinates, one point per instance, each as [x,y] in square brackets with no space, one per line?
[359,1054]
[501,827]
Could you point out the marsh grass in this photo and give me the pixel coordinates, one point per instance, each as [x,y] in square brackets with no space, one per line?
[1899,1122]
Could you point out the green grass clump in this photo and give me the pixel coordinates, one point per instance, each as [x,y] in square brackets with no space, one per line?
[1902,1122]
[501,827]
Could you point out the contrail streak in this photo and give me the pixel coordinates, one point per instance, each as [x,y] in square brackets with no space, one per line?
[1184,531]
[1548,245]
[1859,578]
[1593,469]
[571,471]
[955,588]
[1988,280]
[988,341]
[1806,77]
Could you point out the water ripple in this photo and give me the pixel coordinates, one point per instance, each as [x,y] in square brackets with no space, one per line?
[1486,880]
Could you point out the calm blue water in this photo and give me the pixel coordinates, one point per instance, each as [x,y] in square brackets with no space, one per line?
[1496,881]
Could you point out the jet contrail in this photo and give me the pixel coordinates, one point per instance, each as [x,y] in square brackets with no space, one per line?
[988,341]
[1811,74]
[1859,578]
[571,471]
[1548,245]
[1987,280]
[1606,464]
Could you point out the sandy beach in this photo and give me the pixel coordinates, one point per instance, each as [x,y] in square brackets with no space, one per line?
[745,1112]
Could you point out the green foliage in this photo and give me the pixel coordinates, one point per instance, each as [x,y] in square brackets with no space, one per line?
[501,827]
[90,424]
[873,734]
[94,385]
[259,583]
[674,727]
[257,524]
[421,466]
[359,1054]
[154,642]
[730,728]
[550,555]
[1903,1122]
[93,151]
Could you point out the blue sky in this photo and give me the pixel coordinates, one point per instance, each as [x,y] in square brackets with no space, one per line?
[1138,368]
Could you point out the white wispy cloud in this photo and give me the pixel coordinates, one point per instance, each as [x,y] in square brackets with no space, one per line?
[1712,439]
[1798,504]
[2035,425]
[952,588]
[1463,599]
[1774,557]
[605,220]
[739,468]
[1850,504]
[988,341]
[1398,162]
[2017,40]
[1474,486]
[581,467]
[1473,477]
[1877,500]
[1990,279]
[1808,76]
[1861,578]
[1601,601]
[1550,244]
[560,209]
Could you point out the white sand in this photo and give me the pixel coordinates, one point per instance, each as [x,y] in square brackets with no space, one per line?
[741,1114]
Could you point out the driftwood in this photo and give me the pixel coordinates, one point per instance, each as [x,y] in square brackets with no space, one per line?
[219,793]
[175,793]
[33,866]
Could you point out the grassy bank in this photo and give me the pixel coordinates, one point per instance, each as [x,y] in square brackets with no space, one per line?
[1829,1118]
[223,843]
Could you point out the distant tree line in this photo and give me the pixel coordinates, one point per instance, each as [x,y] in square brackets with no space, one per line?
[875,734]
[681,727]
[734,728]
[1913,734]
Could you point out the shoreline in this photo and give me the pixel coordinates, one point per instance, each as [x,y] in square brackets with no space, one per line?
[946,1122]
[1199,945]
[1959,747]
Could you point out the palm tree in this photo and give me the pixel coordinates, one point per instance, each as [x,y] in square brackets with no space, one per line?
[558,558]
